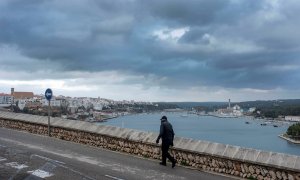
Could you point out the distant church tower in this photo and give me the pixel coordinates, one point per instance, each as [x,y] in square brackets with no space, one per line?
[229,104]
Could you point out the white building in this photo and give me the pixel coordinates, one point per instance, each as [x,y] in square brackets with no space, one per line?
[292,118]
[22,103]
[238,112]
[74,103]
[236,107]
[6,99]
[53,102]
[252,109]
[72,109]
[87,103]
[98,106]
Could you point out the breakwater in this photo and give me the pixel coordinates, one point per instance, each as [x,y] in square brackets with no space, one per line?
[202,155]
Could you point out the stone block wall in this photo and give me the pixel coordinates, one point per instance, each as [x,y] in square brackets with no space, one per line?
[201,155]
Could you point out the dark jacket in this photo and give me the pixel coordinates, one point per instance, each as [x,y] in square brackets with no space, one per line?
[166,133]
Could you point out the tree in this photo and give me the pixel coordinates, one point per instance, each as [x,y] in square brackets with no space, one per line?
[25,110]
[294,131]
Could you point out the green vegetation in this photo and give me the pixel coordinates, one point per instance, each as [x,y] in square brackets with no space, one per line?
[184,163]
[274,108]
[140,108]
[251,177]
[275,111]
[265,109]
[42,111]
[294,131]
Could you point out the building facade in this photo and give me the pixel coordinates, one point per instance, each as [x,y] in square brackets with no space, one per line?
[6,99]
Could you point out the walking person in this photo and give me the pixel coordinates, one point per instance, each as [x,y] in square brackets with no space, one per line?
[167,136]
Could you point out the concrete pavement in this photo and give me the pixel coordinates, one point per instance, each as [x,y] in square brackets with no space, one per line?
[28,156]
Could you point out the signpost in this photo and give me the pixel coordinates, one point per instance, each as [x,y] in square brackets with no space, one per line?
[48,95]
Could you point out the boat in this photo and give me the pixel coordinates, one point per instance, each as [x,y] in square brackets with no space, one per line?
[275,125]
[184,115]
[247,122]
[263,124]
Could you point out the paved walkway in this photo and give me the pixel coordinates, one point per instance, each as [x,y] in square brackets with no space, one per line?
[28,156]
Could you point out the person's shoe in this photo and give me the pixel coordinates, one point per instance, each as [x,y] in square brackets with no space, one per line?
[163,164]
[174,163]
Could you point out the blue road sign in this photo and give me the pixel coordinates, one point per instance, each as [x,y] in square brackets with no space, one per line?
[48,94]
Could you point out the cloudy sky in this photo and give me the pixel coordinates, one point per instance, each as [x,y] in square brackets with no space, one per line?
[170,50]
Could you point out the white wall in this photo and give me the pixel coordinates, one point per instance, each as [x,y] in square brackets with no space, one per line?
[292,118]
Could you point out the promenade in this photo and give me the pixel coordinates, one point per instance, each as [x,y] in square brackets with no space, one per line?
[29,156]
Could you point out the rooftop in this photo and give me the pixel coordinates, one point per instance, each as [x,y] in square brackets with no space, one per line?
[23,95]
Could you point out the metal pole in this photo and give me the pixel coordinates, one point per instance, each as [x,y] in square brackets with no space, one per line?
[11,105]
[49,118]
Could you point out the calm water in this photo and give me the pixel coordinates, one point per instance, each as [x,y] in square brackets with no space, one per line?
[232,131]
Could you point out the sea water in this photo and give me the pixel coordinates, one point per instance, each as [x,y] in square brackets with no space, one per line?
[233,131]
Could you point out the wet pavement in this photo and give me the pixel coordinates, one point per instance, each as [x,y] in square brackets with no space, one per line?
[32,157]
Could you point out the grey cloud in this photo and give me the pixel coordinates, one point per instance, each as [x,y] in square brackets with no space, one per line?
[95,36]
[194,12]
[200,12]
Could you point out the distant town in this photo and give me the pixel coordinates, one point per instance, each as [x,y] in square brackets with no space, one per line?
[75,108]
[101,109]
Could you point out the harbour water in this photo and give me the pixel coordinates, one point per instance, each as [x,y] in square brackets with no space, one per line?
[233,131]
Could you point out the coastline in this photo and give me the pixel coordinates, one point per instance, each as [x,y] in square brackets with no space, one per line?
[103,120]
[224,116]
[289,139]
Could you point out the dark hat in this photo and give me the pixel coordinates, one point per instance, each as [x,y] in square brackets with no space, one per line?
[164,118]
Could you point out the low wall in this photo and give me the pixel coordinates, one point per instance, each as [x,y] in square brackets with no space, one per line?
[202,155]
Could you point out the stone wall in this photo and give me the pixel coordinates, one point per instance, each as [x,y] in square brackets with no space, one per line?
[202,155]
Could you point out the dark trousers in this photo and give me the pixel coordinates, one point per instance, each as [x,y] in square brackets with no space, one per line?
[165,153]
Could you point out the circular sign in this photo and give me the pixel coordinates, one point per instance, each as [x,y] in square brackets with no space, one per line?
[48,94]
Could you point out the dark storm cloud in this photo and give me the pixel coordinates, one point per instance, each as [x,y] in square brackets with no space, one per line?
[234,44]
[199,12]
[192,13]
